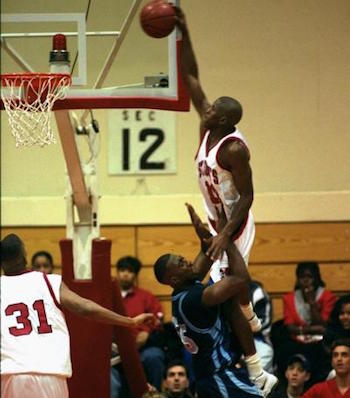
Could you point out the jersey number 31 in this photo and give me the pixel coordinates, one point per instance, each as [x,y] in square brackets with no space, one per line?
[23,318]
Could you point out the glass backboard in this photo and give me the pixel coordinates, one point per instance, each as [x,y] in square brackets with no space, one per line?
[114,64]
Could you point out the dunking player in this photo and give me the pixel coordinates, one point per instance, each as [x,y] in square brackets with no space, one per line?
[35,354]
[225,179]
[198,318]
[225,176]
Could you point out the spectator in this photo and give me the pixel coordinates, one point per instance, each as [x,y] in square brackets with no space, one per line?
[263,309]
[176,381]
[339,387]
[305,314]
[297,374]
[338,327]
[148,338]
[42,261]
[339,322]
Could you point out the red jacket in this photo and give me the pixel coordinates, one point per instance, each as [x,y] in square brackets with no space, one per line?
[138,301]
[290,315]
[326,389]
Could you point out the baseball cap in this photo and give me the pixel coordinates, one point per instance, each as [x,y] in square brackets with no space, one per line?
[301,359]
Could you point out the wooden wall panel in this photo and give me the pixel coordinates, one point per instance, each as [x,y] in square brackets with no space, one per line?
[277,307]
[123,241]
[154,241]
[279,278]
[293,242]
[39,238]
[277,249]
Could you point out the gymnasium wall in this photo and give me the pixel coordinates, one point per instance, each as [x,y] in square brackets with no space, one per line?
[286,61]
[278,248]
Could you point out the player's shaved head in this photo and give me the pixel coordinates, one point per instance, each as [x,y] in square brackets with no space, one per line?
[231,108]
[13,256]
[160,268]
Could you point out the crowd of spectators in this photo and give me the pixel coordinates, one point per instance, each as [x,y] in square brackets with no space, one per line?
[309,349]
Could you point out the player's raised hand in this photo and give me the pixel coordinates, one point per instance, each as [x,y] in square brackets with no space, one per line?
[180,19]
[219,242]
[142,319]
[200,228]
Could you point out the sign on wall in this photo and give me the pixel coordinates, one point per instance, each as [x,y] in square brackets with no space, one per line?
[141,141]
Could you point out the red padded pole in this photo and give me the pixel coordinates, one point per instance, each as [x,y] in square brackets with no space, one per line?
[128,351]
[90,341]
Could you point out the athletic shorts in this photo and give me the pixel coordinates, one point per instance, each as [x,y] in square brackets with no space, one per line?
[244,244]
[227,383]
[33,385]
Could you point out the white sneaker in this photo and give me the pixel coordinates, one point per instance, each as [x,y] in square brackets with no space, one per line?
[266,382]
[255,324]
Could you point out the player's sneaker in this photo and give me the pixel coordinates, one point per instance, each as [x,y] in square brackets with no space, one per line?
[266,382]
[255,324]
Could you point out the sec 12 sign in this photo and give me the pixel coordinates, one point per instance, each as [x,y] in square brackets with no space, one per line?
[141,141]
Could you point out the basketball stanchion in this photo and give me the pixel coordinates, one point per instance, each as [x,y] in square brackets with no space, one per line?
[28,100]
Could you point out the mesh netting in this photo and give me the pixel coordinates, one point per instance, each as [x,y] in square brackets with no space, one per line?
[28,100]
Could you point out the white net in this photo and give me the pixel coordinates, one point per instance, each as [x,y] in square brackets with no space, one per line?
[28,100]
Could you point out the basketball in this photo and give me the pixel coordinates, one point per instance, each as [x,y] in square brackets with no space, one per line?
[157,18]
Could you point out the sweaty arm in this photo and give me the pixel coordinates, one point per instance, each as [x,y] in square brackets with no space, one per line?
[202,263]
[235,158]
[93,311]
[232,284]
[189,67]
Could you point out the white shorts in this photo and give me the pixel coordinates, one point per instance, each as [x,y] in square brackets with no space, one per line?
[33,385]
[244,244]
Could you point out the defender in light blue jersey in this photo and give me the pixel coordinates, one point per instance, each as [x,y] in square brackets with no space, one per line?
[198,316]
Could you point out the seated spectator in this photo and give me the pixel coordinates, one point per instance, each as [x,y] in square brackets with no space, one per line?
[297,374]
[176,382]
[148,338]
[263,309]
[42,261]
[305,314]
[339,387]
[338,327]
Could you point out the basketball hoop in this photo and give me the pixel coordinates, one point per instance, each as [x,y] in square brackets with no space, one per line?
[28,99]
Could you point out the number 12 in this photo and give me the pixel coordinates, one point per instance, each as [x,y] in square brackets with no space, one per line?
[145,163]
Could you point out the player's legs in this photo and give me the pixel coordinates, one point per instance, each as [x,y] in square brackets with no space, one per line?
[242,330]
[244,243]
[33,386]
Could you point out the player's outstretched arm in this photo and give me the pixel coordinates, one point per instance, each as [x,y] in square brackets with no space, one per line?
[202,263]
[89,309]
[234,157]
[189,66]
[232,284]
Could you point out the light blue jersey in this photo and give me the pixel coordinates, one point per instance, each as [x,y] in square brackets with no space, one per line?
[205,334]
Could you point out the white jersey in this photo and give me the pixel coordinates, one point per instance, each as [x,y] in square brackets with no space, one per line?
[34,333]
[219,192]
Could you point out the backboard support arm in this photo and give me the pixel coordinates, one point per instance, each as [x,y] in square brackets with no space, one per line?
[81,195]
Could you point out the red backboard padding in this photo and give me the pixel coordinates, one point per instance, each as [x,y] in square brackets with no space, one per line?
[91,341]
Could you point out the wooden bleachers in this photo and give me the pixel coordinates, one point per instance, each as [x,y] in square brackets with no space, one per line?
[278,248]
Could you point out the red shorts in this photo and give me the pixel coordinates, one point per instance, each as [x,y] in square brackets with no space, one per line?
[33,385]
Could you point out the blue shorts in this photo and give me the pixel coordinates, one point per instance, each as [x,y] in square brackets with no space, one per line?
[226,384]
